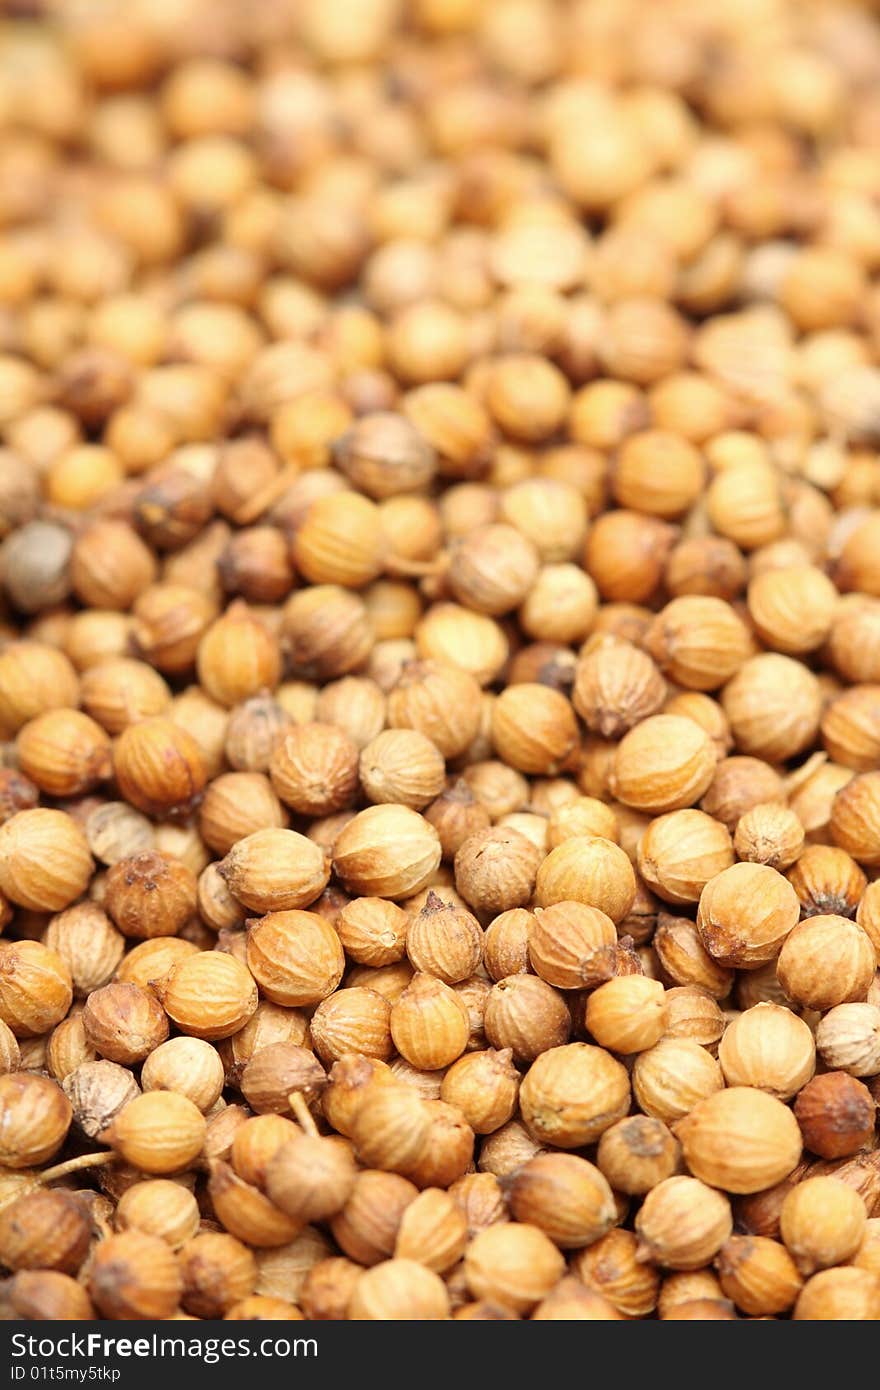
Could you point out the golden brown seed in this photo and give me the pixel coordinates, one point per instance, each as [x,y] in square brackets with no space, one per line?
[45,862]
[839,1295]
[255,1142]
[636,1154]
[828,881]
[372,931]
[134,1275]
[366,1228]
[152,960]
[386,851]
[793,609]
[495,870]
[570,1301]
[34,678]
[453,635]
[670,1078]
[774,707]
[626,553]
[169,621]
[513,1264]
[506,944]
[64,752]
[206,720]
[444,941]
[159,767]
[705,711]
[683,1223]
[158,1132]
[124,1022]
[582,815]
[564,1196]
[826,960]
[610,1267]
[429,1024]
[699,642]
[150,894]
[238,657]
[699,1285]
[352,1020]
[527,396]
[616,686]
[341,541]
[327,631]
[484,1086]
[295,957]
[433,1231]
[237,804]
[44,1230]
[36,987]
[216,1271]
[275,870]
[572,946]
[439,700]
[533,728]
[86,939]
[854,821]
[492,568]
[758,1274]
[745,914]
[35,1116]
[663,764]
[680,852]
[245,1212]
[327,1289]
[399,1290]
[314,769]
[527,1015]
[822,1223]
[561,605]
[401,766]
[769,834]
[740,1139]
[119,691]
[208,996]
[10,1053]
[65,1049]
[849,727]
[572,1094]
[159,1207]
[867,913]
[589,870]
[657,472]
[866,1255]
[448,1151]
[628,1014]
[390,1131]
[217,907]
[770,1048]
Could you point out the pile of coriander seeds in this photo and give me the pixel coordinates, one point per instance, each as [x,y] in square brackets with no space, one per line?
[439,659]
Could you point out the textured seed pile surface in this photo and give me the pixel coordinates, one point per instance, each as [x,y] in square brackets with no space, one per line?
[439,659]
